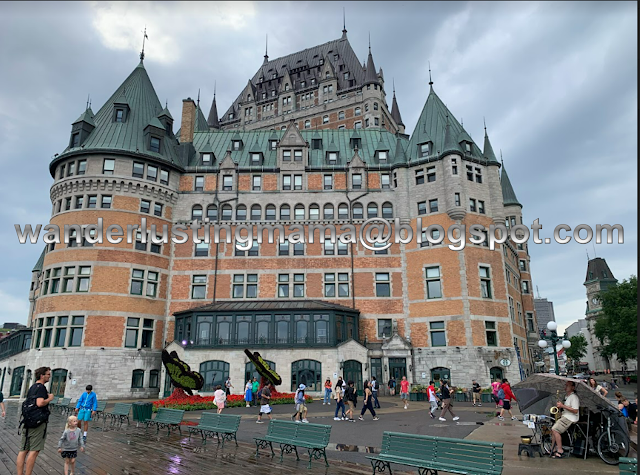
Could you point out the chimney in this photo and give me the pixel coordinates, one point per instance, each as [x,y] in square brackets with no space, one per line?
[188,120]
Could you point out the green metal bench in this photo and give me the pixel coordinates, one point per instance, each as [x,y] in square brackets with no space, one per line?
[119,412]
[628,466]
[63,404]
[54,403]
[102,405]
[290,435]
[169,418]
[217,424]
[433,454]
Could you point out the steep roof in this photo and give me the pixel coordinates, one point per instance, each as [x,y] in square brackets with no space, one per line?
[371,76]
[508,195]
[304,65]
[201,123]
[38,266]
[487,151]
[138,94]
[212,120]
[597,269]
[86,116]
[432,127]
[395,110]
[266,305]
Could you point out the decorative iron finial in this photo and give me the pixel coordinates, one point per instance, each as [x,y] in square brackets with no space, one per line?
[430,81]
[266,48]
[369,42]
[394,86]
[501,161]
[144,37]
[88,96]
[344,23]
[198,102]
[485,126]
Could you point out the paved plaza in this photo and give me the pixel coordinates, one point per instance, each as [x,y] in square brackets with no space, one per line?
[132,451]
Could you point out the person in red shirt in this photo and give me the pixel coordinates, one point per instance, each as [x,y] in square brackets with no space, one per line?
[404,391]
[506,401]
[433,399]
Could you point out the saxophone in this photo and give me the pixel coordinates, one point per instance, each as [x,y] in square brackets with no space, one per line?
[555,411]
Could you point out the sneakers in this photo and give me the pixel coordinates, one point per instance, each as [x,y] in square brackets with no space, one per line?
[360,418]
[514,418]
[406,407]
[479,405]
[343,418]
[442,419]
[323,403]
[293,418]
[84,438]
[351,420]
[305,421]
[431,415]
[474,404]
[376,418]
[259,422]
[337,419]
[501,418]
[456,418]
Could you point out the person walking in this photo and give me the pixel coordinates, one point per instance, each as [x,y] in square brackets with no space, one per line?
[507,396]
[476,392]
[495,387]
[219,397]
[33,438]
[86,408]
[248,393]
[264,395]
[228,386]
[3,412]
[69,444]
[327,391]
[392,386]
[368,402]
[433,399]
[351,396]
[339,397]
[404,391]
[446,401]
[374,391]
[255,385]
[301,408]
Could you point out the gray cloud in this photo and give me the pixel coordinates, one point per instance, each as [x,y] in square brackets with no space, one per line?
[557,83]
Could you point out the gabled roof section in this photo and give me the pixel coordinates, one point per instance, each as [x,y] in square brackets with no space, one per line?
[598,269]
[138,93]
[508,195]
[165,112]
[431,127]
[86,116]
[40,262]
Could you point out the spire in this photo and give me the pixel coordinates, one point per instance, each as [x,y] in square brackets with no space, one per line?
[198,102]
[370,76]
[508,195]
[212,120]
[395,110]
[430,81]
[266,47]
[487,152]
[344,24]
[144,37]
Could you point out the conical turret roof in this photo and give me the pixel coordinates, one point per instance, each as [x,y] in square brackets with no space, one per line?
[488,149]
[508,195]
[86,116]
[395,111]
[212,120]
[370,74]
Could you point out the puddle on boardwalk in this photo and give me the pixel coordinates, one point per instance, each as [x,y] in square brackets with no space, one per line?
[352,448]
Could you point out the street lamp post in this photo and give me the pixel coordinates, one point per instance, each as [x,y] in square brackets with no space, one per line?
[554,340]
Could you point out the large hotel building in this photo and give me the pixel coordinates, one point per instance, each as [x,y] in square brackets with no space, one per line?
[310,140]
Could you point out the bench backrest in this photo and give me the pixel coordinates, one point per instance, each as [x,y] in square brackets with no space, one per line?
[102,405]
[64,401]
[313,433]
[55,401]
[220,421]
[169,416]
[482,457]
[121,409]
[628,466]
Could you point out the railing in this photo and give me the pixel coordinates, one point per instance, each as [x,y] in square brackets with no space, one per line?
[318,341]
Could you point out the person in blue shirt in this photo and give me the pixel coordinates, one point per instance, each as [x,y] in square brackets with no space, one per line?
[86,408]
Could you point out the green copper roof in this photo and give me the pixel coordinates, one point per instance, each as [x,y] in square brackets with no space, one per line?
[332,140]
[508,195]
[87,116]
[488,149]
[201,121]
[166,112]
[138,94]
[38,266]
[431,127]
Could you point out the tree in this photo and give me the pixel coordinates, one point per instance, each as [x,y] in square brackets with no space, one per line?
[617,328]
[577,350]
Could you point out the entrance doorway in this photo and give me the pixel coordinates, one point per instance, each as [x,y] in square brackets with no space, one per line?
[496,373]
[58,382]
[440,374]
[16,381]
[398,369]
[353,372]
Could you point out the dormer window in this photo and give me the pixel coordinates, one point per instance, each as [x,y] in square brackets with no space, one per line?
[335,57]
[313,81]
[256,158]
[383,155]
[75,140]
[236,145]
[356,142]
[316,144]
[119,115]
[321,62]
[467,147]
[230,115]
[286,87]
[303,83]
[264,95]
[206,158]
[346,75]
[425,149]
[274,75]
[154,144]
[248,97]
[327,74]
[273,144]
[332,158]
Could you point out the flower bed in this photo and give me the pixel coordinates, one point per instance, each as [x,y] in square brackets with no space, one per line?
[181,400]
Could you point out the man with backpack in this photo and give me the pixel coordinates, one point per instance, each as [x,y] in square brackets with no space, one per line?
[35,415]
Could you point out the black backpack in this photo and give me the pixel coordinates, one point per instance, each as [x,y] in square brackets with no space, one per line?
[33,415]
[351,395]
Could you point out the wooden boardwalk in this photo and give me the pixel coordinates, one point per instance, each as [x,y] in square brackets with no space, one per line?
[131,450]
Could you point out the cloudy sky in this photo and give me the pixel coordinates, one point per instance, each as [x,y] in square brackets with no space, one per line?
[557,83]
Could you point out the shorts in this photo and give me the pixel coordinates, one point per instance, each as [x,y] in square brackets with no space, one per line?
[33,439]
[404,395]
[506,404]
[352,406]
[301,408]
[69,454]
[84,415]
[220,405]
[562,425]
[265,409]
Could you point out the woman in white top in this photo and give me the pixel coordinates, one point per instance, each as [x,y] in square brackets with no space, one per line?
[593,384]
[219,397]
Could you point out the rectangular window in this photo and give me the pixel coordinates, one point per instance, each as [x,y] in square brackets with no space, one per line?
[137,281]
[72,168]
[199,286]
[422,207]
[356,181]
[286,155]
[523,265]
[492,335]
[419,177]
[297,182]
[286,182]
[434,287]
[329,248]
[257,182]
[328,182]
[75,140]
[343,249]
[383,285]
[530,325]
[431,174]
[469,173]
[457,199]
[154,144]
[385,180]
[384,327]
[298,285]
[525,287]
[478,175]
[283,285]
[227,183]
[61,336]
[108,166]
[199,183]
[433,206]
[438,337]
[105,201]
[145,206]
[138,170]
[201,249]
[485,282]
[424,149]
[131,335]
[481,207]
[152,284]
[298,249]
[329,284]
[79,201]
[67,204]
[297,155]
[164,177]
[92,201]
[472,205]
[283,248]
[157,209]
[152,173]
[255,158]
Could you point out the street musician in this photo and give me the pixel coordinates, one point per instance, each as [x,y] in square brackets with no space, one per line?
[570,415]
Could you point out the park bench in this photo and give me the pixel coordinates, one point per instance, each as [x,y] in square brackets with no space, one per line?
[54,403]
[433,454]
[63,404]
[211,424]
[169,418]
[102,405]
[290,435]
[119,412]
[628,466]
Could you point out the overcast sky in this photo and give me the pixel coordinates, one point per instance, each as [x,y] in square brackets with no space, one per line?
[557,83]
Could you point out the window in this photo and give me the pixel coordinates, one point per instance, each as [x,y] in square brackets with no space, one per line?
[434,288]
[61,175]
[383,285]
[108,166]
[75,338]
[212,212]
[145,206]
[273,144]
[341,114]
[137,379]
[457,199]
[485,282]
[297,155]
[357,211]
[154,144]
[478,175]
[325,119]
[357,112]
[257,182]
[422,207]
[433,206]
[431,174]
[467,147]
[198,286]
[469,173]
[438,337]
[425,149]
[157,209]
[298,212]
[286,182]
[419,177]
[92,201]
[285,212]
[255,158]
[75,140]
[283,285]
[297,182]
[154,378]
[199,183]
[196,213]
[307,372]
[242,289]
[201,249]
[372,210]
[332,157]
[227,183]
[492,334]
[328,182]
[387,210]
[307,124]
[525,287]
[314,212]
[214,372]
[328,211]
[523,265]
[343,211]
[298,285]
[366,107]
[71,169]
[283,248]
[164,177]
[481,207]
[385,180]
[366,122]
[329,248]
[382,251]
[530,325]
[105,201]
[152,173]
[357,125]
[356,181]
[512,309]
[376,121]
[256,213]
[286,155]
[472,205]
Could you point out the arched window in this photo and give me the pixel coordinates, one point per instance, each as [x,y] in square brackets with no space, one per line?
[440,374]
[250,370]
[270,212]
[214,373]
[321,328]
[227,213]
[212,212]
[241,213]
[299,212]
[256,213]
[196,212]
[328,211]
[285,212]
[137,378]
[387,210]
[343,211]
[314,211]
[372,210]
[357,211]
[307,372]
[154,378]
